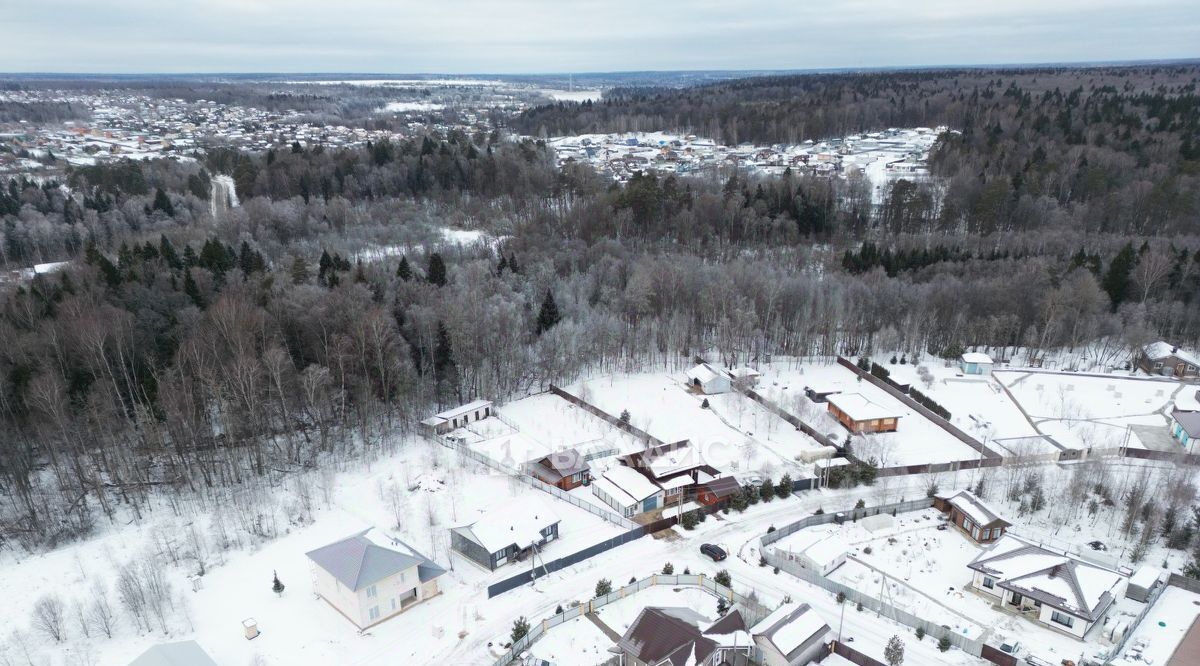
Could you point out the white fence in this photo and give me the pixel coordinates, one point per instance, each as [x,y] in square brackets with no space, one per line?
[793,567]
[619,521]
[751,610]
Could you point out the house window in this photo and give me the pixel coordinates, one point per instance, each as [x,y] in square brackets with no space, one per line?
[393,604]
[1158,365]
[373,613]
[1062,618]
[989,583]
[371,592]
[401,576]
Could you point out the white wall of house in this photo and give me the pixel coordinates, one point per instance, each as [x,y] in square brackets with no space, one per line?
[1078,627]
[373,603]
[771,656]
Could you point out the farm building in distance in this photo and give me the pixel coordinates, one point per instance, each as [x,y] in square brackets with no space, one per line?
[451,419]
[862,415]
[707,380]
[976,363]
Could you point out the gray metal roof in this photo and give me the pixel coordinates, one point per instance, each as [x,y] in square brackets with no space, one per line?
[358,562]
[182,653]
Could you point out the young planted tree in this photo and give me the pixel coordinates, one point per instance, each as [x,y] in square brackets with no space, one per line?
[277,586]
[784,489]
[894,651]
[723,578]
[603,587]
[520,629]
[49,617]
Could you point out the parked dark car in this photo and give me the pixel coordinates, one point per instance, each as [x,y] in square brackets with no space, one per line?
[715,552]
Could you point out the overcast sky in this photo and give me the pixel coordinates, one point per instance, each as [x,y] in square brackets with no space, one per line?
[530,36]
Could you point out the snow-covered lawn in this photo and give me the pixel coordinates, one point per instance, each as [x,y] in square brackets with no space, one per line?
[917,439]
[556,424]
[977,405]
[424,489]
[749,439]
[576,641]
[1083,411]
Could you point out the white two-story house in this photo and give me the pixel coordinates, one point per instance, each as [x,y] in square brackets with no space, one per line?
[369,577]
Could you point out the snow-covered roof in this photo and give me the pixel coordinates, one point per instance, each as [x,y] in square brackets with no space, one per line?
[1146,576]
[631,482]
[370,556]
[861,408]
[678,459]
[462,409]
[519,522]
[974,508]
[180,653]
[703,372]
[1051,577]
[743,372]
[615,493]
[1156,351]
[976,357]
[791,627]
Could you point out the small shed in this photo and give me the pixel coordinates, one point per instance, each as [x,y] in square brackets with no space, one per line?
[877,523]
[820,551]
[707,380]
[1185,428]
[745,376]
[1143,582]
[976,363]
[718,491]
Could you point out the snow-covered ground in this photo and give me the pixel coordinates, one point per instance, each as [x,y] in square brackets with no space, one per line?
[917,439]
[735,434]
[1163,628]
[1082,411]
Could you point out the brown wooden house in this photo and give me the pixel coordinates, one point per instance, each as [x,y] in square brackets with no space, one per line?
[972,515]
[1161,358]
[566,469]
[861,414]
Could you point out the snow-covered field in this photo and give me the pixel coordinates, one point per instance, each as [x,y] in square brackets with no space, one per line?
[917,440]
[734,435]
[1083,411]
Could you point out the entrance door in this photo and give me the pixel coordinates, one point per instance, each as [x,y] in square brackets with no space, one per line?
[649,504]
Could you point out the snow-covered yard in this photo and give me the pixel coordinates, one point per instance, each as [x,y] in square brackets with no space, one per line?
[1082,411]
[917,439]
[1163,628]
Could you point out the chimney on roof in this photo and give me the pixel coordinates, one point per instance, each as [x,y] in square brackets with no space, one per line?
[1174,349]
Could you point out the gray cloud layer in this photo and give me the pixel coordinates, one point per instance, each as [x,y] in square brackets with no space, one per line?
[580,35]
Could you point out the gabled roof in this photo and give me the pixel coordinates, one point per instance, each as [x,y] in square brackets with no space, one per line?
[976,509]
[1156,351]
[680,458]
[976,357]
[563,463]
[368,557]
[722,487]
[792,629]
[1053,578]
[181,653]
[519,522]
[704,372]
[442,417]
[675,635]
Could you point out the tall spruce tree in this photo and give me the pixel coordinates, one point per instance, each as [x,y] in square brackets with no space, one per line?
[437,270]
[403,271]
[1117,280]
[548,316]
